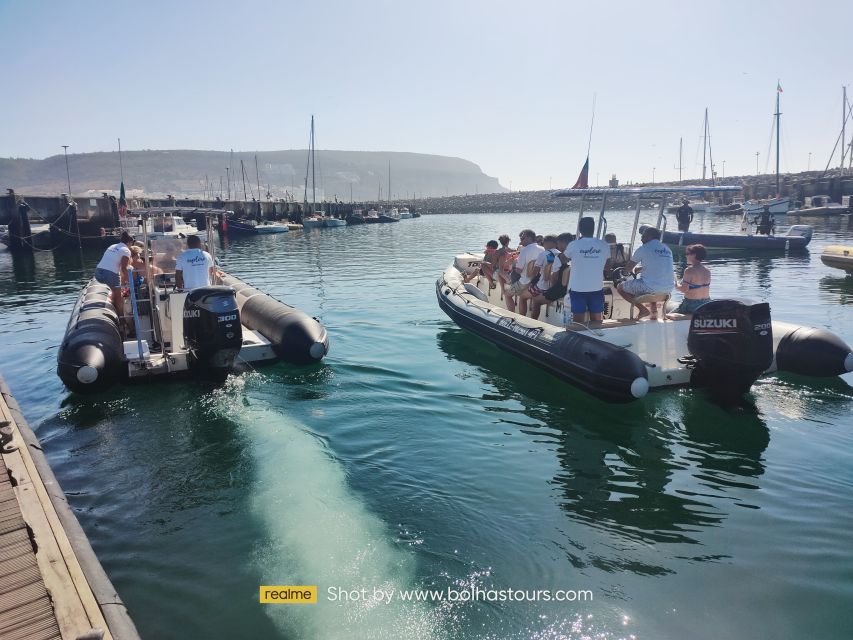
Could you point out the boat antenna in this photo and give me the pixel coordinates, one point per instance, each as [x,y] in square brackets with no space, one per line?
[705,145]
[313,170]
[710,152]
[120,165]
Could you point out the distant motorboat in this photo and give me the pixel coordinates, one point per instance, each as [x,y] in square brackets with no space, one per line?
[779,206]
[313,222]
[334,222]
[268,228]
[404,213]
[820,206]
[391,215]
[838,257]
[372,217]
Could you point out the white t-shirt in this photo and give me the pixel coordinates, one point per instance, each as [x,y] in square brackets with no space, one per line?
[195,265]
[542,263]
[111,261]
[588,256]
[527,255]
[656,259]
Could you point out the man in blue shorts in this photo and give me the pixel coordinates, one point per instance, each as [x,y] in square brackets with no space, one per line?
[590,257]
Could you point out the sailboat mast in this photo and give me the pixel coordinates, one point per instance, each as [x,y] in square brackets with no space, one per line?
[710,147]
[704,144]
[778,136]
[313,171]
[680,142]
[243,173]
[389,181]
[843,125]
[258,177]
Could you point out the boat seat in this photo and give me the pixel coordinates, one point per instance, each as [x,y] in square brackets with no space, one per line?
[653,299]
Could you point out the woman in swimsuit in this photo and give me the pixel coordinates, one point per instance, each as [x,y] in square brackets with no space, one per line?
[696,282]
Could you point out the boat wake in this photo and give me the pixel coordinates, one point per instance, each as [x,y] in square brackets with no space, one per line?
[320,533]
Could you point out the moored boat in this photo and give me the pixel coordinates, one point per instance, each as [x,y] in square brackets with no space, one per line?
[838,257]
[820,206]
[797,237]
[334,222]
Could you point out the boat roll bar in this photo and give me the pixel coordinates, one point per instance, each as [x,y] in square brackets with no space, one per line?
[641,195]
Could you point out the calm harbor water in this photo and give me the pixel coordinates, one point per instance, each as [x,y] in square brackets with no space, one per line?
[419,456]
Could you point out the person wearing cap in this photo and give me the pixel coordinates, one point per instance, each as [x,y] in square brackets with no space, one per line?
[684,215]
[112,269]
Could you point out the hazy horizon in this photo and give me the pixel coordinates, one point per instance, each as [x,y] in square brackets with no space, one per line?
[506,89]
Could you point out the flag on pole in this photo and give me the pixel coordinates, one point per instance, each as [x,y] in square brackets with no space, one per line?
[778,86]
[583,178]
[122,202]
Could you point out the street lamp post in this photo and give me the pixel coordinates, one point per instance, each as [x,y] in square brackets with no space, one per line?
[757,172]
[653,175]
[724,169]
[809,165]
[67,172]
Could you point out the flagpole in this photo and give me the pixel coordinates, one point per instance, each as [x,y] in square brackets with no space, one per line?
[591,124]
[120,165]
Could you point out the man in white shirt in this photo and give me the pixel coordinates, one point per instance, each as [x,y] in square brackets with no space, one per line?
[544,266]
[194,267]
[524,270]
[112,269]
[657,275]
[589,258]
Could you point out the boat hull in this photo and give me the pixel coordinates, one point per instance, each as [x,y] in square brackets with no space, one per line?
[737,241]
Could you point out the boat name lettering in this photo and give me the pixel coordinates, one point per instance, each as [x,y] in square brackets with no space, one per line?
[528,332]
[715,323]
[231,316]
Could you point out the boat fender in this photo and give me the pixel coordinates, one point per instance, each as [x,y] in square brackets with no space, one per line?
[476,292]
[813,352]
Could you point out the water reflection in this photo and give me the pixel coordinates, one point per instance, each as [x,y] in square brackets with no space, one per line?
[838,288]
[656,471]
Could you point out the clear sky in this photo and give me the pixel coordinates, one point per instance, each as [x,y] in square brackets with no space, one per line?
[507,85]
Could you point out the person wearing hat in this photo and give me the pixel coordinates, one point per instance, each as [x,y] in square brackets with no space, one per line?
[684,215]
[112,269]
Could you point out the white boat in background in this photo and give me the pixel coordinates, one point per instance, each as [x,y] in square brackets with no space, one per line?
[334,222]
[172,227]
[820,206]
[313,222]
[838,256]
[778,206]
[404,213]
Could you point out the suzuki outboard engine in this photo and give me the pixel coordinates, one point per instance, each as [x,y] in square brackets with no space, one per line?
[731,344]
[212,329]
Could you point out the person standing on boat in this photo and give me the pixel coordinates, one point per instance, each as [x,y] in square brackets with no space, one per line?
[695,282]
[657,274]
[589,257]
[684,215]
[112,269]
[194,267]
[523,272]
[765,222]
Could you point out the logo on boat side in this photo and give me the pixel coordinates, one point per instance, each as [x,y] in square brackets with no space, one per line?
[530,333]
[232,316]
[192,313]
[714,323]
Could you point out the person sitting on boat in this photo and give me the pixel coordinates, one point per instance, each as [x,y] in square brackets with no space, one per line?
[695,281]
[618,259]
[505,258]
[194,267]
[112,269]
[139,268]
[765,222]
[560,270]
[657,270]
[684,215]
[523,272]
[488,264]
[590,257]
[544,266]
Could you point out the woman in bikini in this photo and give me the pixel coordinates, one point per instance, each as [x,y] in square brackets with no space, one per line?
[505,259]
[695,282]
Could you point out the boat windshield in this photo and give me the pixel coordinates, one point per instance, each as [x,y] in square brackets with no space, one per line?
[165,252]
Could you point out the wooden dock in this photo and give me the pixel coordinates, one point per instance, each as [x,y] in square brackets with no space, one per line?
[51,583]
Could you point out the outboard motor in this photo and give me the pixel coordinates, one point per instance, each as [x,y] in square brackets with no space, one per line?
[212,329]
[731,345]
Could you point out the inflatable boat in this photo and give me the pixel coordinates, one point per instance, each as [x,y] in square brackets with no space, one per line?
[162,330]
[838,257]
[725,347]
